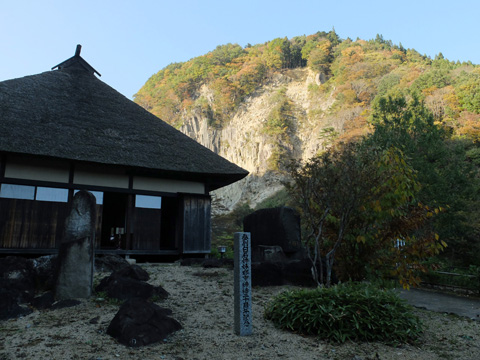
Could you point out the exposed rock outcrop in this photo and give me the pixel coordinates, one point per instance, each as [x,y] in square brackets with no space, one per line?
[243,140]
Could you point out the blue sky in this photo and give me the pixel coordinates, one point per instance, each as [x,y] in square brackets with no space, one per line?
[128,41]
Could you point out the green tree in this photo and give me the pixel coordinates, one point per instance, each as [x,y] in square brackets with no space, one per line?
[224,54]
[447,179]
[468,91]
[320,57]
[333,37]
[277,54]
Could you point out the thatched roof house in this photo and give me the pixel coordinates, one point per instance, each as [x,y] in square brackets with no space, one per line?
[65,130]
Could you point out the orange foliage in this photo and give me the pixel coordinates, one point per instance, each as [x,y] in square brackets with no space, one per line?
[469,126]
[413,73]
[429,91]
[354,129]
[352,55]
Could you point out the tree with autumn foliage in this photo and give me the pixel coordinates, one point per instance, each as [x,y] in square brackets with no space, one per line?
[328,189]
[392,233]
[407,183]
[447,177]
[356,202]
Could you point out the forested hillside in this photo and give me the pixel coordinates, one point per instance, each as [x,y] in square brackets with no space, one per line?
[355,73]
[261,104]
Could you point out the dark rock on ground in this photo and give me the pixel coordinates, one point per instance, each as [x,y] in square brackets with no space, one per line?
[267,274]
[18,277]
[133,272]
[123,288]
[9,307]
[45,268]
[43,301]
[139,323]
[160,292]
[110,263]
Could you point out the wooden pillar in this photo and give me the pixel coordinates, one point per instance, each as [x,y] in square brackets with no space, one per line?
[3,161]
[71,189]
[129,222]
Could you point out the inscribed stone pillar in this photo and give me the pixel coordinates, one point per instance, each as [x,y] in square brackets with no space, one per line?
[242,284]
[76,253]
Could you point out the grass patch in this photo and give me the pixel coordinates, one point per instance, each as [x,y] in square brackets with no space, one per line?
[346,312]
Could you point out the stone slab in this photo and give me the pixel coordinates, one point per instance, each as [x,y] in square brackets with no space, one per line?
[242,284]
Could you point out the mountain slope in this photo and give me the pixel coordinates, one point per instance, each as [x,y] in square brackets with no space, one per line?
[293,97]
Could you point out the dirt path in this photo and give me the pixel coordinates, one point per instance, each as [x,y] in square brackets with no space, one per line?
[443,303]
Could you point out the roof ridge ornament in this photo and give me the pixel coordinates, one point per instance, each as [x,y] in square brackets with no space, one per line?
[75,61]
[77,50]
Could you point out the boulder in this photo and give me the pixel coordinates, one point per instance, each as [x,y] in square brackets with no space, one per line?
[139,323]
[119,287]
[273,227]
[17,276]
[44,301]
[110,263]
[160,292]
[133,272]
[45,268]
[267,274]
[9,308]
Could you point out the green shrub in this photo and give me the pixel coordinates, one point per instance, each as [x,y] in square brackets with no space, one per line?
[351,311]
[225,226]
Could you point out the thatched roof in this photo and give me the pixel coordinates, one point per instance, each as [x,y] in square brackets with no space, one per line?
[70,114]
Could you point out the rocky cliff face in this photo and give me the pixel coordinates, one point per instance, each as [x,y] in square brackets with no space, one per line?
[244,142]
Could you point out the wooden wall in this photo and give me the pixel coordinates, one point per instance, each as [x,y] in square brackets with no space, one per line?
[29,224]
[182,224]
[147,229]
[196,224]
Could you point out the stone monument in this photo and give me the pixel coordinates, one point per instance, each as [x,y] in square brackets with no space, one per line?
[271,229]
[242,284]
[76,253]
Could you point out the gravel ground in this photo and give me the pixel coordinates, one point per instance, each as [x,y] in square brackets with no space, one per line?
[202,301]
